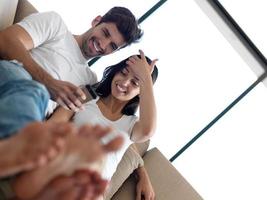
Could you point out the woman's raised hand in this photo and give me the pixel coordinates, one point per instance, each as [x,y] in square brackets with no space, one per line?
[140,66]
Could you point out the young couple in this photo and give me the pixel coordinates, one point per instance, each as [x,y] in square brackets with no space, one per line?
[52,56]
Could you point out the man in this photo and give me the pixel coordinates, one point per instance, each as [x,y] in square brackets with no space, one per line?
[57,59]
[52,56]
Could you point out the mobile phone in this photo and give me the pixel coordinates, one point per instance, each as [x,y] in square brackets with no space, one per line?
[89,93]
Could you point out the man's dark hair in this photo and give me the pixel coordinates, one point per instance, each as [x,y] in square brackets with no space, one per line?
[125,22]
[103,88]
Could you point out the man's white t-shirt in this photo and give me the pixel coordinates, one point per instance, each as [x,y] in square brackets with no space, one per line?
[56,50]
[93,115]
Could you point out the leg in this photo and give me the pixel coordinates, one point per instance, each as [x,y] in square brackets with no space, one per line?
[83,184]
[22,100]
[33,146]
[83,150]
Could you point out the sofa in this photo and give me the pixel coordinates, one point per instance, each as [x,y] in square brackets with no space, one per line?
[168,183]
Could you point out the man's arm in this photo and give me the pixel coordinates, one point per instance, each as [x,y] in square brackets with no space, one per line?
[15,43]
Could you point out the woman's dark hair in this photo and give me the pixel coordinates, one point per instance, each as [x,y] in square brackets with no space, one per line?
[125,22]
[103,88]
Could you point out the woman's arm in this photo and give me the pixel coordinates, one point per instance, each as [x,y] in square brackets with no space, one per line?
[145,127]
[144,187]
[61,115]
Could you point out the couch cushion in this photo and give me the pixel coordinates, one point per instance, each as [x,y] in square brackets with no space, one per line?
[24,9]
[129,162]
[167,182]
[7,12]
[142,147]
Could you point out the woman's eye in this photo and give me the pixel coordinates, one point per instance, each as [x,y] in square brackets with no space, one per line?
[123,73]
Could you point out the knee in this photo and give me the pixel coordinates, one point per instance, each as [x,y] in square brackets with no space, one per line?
[10,71]
[4,63]
[21,102]
[36,97]
[37,89]
[27,89]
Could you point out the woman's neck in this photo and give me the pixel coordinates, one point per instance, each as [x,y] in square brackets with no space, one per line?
[111,107]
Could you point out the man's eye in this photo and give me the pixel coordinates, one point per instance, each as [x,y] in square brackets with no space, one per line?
[105,33]
[135,83]
[114,46]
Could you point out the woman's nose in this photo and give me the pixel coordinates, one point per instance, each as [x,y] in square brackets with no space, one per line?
[125,82]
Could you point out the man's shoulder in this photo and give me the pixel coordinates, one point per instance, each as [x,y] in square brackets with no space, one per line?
[50,17]
[44,27]
[52,14]
[91,75]
[48,14]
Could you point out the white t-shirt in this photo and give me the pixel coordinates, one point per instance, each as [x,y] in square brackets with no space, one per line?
[56,50]
[93,115]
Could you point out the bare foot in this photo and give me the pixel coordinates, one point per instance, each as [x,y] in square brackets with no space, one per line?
[33,146]
[82,150]
[82,185]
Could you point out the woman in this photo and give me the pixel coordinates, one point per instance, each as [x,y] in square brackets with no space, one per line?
[123,88]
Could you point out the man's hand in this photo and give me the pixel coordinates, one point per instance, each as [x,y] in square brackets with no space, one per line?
[66,94]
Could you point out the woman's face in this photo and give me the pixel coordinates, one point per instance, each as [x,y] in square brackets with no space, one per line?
[125,85]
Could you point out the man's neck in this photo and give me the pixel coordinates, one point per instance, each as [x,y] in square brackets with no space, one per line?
[78,39]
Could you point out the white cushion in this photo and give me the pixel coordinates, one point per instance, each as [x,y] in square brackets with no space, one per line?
[7,12]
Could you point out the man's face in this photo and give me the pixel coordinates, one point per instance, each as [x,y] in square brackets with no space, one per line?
[102,39]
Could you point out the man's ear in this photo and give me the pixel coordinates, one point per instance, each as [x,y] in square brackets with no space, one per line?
[96,21]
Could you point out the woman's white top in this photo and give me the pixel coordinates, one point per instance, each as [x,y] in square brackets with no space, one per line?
[93,115]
